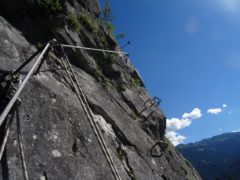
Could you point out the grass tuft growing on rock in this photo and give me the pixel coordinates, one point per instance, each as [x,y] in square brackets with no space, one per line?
[121,153]
[51,6]
[133,115]
[136,82]
[39,45]
[98,73]
[73,22]
[89,22]
[110,57]
[110,27]
[107,84]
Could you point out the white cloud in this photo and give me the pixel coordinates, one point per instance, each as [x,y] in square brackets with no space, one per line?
[175,138]
[175,124]
[195,114]
[236,130]
[214,111]
[224,105]
[192,25]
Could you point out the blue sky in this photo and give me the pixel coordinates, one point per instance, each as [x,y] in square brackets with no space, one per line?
[188,53]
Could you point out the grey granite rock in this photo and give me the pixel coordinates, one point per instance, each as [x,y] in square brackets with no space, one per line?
[58,141]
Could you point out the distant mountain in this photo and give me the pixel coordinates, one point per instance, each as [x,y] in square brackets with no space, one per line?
[218,156]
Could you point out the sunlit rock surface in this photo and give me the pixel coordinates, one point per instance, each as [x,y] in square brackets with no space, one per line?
[58,141]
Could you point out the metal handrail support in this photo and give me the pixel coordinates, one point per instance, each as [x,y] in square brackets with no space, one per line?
[23,84]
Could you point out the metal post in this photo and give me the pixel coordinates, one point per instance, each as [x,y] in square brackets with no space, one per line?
[27,61]
[17,94]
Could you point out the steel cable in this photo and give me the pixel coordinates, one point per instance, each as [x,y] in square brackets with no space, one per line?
[90,117]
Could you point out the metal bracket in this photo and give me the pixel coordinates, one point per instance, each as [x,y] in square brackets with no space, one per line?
[162,145]
[150,104]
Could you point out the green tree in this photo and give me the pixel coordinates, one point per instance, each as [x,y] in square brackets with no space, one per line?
[107,17]
[107,12]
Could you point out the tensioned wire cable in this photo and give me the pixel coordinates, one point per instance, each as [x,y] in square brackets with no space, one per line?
[93,49]
[22,85]
[90,118]
[13,100]
[78,89]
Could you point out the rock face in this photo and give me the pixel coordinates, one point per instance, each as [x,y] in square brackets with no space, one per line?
[58,141]
[216,157]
